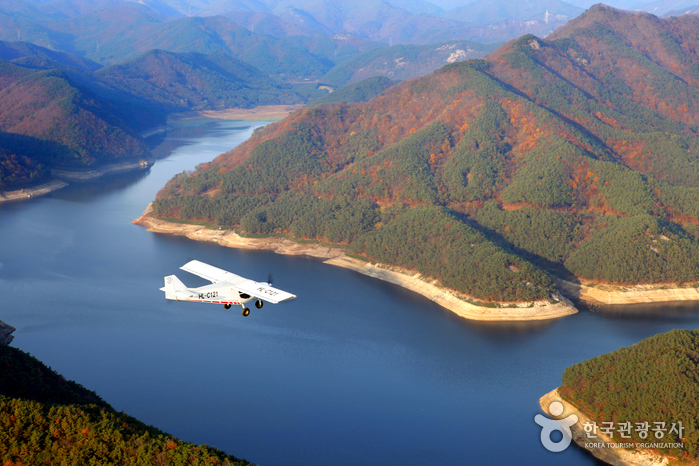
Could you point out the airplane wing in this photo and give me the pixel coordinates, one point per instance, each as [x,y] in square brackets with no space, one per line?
[264,291]
[215,275]
[211,273]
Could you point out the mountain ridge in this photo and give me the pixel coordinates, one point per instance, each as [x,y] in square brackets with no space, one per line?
[547,151]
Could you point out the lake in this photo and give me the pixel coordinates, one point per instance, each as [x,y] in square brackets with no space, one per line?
[354,370]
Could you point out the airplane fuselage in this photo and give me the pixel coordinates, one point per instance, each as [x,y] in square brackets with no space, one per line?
[226,288]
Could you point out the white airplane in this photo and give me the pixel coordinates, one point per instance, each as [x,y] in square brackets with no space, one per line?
[227,288]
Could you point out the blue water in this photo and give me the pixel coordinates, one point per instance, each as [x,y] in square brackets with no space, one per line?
[354,370]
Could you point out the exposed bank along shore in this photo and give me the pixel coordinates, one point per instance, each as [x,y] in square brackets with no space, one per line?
[638,294]
[558,306]
[30,193]
[192,118]
[111,169]
[74,176]
[602,447]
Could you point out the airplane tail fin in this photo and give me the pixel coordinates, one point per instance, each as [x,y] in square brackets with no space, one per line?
[174,288]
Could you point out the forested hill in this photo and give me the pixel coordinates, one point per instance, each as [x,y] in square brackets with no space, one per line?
[182,81]
[575,155]
[46,419]
[47,119]
[651,382]
[57,111]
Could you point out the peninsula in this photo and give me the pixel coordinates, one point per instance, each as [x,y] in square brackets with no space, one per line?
[493,176]
[33,192]
[602,446]
[459,303]
[98,172]
[635,406]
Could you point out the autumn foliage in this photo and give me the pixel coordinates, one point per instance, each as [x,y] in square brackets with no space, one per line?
[577,154]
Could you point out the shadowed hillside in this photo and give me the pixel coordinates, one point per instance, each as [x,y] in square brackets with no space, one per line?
[70,125]
[33,56]
[46,419]
[66,116]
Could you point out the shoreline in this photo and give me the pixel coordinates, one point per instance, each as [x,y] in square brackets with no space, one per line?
[61,176]
[455,302]
[636,294]
[602,447]
[194,117]
[111,169]
[30,193]
[263,112]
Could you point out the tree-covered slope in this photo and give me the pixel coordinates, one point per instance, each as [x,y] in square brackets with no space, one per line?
[577,155]
[654,381]
[401,62]
[363,91]
[46,419]
[46,117]
[196,81]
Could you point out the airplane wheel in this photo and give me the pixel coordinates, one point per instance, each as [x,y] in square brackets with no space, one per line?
[258,304]
[227,306]
[246,311]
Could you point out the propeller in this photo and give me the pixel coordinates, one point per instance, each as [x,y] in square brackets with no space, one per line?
[270,279]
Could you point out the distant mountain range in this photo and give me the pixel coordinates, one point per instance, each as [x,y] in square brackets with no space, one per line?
[109,31]
[33,56]
[296,40]
[575,155]
[388,21]
[145,59]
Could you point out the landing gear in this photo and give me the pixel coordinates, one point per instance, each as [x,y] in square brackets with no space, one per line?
[246,311]
[227,306]
[258,304]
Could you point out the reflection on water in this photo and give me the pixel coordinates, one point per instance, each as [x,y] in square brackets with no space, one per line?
[164,144]
[652,312]
[511,328]
[91,191]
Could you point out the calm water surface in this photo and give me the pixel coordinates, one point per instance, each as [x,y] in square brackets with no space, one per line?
[354,371]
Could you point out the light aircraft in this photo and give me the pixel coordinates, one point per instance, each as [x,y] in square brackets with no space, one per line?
[227,288]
